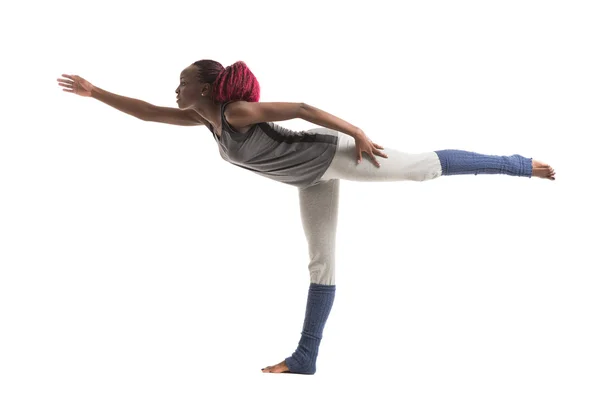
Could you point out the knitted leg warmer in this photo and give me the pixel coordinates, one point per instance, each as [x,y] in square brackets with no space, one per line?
[460,162]
[318,306]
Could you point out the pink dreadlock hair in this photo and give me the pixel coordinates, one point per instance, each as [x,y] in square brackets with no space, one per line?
[235,82]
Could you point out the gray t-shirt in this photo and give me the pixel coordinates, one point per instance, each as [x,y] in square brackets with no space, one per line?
[296,158]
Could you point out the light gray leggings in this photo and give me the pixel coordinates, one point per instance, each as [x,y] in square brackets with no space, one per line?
[319,203]
[319,212]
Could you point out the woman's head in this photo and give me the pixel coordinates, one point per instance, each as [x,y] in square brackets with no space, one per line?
[208,81]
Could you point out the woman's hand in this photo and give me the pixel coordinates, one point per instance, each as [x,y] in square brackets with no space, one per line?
[363,143]
[76,84]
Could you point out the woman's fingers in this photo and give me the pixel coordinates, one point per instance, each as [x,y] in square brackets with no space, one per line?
[372,151]
[375,160]
[379,147]
[72,78]
[67,84]
[379,153]
[373,157]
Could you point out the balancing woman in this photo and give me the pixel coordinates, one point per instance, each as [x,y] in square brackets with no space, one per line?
[225,100]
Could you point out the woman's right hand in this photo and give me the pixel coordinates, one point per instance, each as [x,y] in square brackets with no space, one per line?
[76,84]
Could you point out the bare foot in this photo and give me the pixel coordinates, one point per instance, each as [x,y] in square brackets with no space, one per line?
[542,170]
[281,367]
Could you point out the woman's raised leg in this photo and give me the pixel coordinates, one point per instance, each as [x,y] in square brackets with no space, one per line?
[401,166]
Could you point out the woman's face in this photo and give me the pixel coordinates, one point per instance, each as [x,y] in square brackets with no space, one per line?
[189,90]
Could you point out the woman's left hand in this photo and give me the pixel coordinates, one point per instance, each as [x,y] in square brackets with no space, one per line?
[363,143]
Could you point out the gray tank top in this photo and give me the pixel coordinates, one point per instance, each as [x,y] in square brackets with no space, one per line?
[296,158]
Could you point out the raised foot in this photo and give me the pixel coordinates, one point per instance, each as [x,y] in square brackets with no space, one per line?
[542,170]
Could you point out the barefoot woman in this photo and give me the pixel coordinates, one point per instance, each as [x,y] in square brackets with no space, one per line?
[226,101]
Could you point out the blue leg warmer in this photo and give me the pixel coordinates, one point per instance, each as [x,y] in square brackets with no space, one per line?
[318,306]
[461,162]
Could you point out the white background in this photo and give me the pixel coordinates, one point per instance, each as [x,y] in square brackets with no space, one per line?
[136,263]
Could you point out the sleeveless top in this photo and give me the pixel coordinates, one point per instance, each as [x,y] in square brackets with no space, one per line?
[298,158]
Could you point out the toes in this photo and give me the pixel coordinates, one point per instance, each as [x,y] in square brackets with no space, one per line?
[546,171]
[281,367]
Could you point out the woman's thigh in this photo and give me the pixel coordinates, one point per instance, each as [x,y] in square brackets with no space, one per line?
[399,166]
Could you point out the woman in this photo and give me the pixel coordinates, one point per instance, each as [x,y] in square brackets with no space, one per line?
[226,101]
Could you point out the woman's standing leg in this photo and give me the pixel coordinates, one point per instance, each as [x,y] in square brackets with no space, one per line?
[319,212]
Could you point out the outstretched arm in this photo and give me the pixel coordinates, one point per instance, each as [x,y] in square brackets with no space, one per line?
[147,111]
[174,116]
[320,117]
[243,113]
[134,107]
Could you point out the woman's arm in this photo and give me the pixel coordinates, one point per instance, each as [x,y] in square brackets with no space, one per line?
[137,108]
[174,116]
[320,117]
[244,113]
[148,112]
